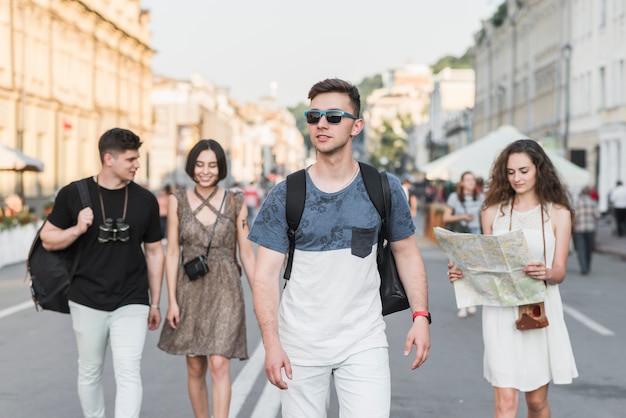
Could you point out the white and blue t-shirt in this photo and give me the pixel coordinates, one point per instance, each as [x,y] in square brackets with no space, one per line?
[330,308]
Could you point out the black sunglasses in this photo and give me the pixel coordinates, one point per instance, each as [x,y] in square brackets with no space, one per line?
[332,116]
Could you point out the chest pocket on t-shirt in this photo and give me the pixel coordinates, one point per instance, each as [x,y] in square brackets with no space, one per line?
[362,241]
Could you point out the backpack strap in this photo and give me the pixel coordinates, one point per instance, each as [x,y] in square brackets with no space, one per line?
[373,184]
[294,207]
[377,186]
[85,201]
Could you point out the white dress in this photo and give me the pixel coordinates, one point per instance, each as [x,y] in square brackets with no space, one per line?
[527,360]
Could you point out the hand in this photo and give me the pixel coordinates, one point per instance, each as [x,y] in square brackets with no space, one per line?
[469,217]
[418,336]
[154,319]
[84,220]
[173,315]
[536,270]
[454,274]
[275,360]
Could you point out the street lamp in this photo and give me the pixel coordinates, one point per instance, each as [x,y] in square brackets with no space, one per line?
[567,55]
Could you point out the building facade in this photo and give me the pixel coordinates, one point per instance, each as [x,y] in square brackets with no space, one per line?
[555,69]
[70,70]
[260,140]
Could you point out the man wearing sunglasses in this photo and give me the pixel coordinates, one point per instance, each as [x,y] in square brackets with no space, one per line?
[328,324]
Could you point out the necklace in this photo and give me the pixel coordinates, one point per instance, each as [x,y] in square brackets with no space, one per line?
[356,171]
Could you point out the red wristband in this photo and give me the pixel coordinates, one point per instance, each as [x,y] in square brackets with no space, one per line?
[422,313]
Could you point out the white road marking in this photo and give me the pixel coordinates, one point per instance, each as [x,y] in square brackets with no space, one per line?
[245,380]
[16,308]
[269,402]
[585,320]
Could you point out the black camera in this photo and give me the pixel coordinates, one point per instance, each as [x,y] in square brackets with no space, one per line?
[196,267]
[118,231]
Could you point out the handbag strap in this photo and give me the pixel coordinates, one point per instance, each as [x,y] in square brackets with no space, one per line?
[543,234]
[217,218]
[232,206]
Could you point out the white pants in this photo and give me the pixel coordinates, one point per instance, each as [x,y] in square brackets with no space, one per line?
[363,384]
[126,328]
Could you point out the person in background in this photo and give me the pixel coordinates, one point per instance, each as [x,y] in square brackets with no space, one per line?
[328,323]
[206,316]
[114,295]
[464,206]
[525,193]
[586,215]
[253,200]
[14,205]
[617,198]
[411,197]
[162,198]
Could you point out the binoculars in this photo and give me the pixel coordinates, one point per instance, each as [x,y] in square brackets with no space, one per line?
[109,231]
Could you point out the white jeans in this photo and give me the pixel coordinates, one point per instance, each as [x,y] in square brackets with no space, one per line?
[126,328]
[363,384]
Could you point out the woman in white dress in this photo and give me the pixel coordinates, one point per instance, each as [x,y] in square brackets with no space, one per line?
[525,193]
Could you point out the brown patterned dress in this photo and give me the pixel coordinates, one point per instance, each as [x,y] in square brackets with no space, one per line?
[212,315]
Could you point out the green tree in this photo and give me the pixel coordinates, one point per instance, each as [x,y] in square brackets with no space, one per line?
[391,151]
[463,62]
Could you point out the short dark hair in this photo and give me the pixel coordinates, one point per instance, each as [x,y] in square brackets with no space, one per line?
[203,145]
[336,85]
[117,140]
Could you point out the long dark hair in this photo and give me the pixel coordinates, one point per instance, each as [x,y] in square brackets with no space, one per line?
[459,188]
[548,185]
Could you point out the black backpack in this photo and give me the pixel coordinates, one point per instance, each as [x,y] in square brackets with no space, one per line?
[51,272]
[392,293]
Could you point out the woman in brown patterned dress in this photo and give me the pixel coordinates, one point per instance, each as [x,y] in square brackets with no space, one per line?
[206,317]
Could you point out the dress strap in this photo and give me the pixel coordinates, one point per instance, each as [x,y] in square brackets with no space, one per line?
[205,202]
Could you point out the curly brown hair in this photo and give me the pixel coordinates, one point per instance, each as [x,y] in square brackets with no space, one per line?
[548,185]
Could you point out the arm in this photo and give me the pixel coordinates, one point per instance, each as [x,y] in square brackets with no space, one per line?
[172,257]
[413,204]
[413,276]
[154,261]
[54,238]
[246,253]
[266,297]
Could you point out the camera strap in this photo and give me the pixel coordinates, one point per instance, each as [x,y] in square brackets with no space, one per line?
[219,212]
[102,201]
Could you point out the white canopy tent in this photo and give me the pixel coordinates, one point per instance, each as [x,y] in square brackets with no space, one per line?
[12,159]
[478,157]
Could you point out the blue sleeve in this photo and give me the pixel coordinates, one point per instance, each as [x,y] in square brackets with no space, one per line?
[402,224]
[270,225]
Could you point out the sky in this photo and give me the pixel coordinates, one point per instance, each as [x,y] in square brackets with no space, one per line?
[250,45]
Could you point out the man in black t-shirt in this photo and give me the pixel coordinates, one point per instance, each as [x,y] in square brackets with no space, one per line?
[115,293]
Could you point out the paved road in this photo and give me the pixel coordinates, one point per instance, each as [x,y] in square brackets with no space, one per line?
[38,357]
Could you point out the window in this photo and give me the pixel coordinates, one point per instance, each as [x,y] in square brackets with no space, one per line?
[602,88]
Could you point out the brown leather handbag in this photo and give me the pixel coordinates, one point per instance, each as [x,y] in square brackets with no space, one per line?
[532,316]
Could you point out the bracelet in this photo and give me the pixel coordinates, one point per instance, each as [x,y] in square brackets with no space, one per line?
[155,307]
[422,313]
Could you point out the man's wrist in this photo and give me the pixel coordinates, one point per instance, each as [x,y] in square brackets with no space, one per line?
[425,314]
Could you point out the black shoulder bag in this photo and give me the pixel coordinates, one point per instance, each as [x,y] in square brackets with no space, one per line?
[51,272]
